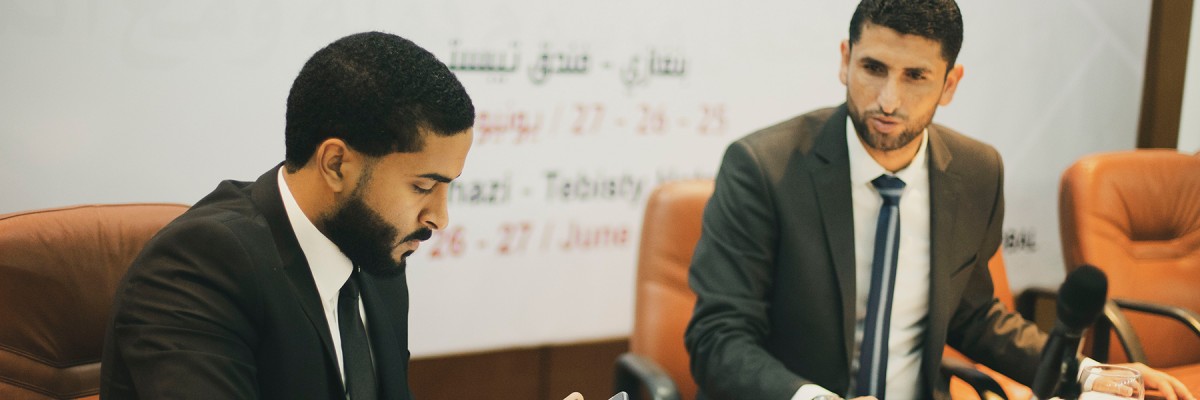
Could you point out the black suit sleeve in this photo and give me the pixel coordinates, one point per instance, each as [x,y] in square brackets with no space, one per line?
[731,274]
[982,327]
[181,325]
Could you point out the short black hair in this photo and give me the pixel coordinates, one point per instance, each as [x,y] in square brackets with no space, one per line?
[376,91]
[938,20]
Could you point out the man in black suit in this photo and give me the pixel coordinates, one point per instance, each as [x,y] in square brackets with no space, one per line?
[843,248]
[293,286]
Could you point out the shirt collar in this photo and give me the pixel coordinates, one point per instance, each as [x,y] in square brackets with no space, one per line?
[330,267]
[864,169]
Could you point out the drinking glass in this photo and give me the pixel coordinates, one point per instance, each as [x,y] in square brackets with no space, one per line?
[1100,382]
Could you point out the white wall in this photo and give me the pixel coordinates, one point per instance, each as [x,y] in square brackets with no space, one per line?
[1189,118]
[159,100]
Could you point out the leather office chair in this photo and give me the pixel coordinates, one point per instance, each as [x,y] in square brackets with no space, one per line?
[1136,216]
[663,304]
[658,361]
[59,270]
[960,389]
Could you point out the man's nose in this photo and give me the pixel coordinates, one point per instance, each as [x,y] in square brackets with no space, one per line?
[889,97]
[435,216]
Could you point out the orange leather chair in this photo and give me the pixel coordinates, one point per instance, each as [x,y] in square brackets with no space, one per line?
[663,303]
[960,389]
[657,360]
[1136,216]
[59,269]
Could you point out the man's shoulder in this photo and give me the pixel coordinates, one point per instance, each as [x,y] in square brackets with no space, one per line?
[963,149]
[959,141]
[226,221]
[229,204]
[798,131]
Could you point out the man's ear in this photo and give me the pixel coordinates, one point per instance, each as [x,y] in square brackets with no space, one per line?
[951,85]
[845,69]
[334,158]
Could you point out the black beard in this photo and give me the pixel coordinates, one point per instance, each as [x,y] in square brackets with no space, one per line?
[874,141]
[366,239]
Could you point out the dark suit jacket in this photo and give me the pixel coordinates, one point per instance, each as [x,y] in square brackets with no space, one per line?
[221,305]
[774,270]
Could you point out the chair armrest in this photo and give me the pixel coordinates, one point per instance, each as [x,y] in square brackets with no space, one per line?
[984,385]
[1115,319]
[1188,317]
[634,372]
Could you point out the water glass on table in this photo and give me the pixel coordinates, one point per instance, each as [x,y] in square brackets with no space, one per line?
[1111,382]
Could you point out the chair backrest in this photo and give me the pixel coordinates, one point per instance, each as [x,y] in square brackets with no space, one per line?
[664,301]
[59,269]
[1000,280]
[1136,216]
[1013,389]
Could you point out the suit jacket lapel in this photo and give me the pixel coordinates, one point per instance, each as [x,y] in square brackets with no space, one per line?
[831,177]
[265,195]
[945,187]
[386,304]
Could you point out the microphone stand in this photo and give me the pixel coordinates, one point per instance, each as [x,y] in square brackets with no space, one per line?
[1066,386]
[1069,388]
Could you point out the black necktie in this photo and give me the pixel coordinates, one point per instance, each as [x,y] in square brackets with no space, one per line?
[356,351]
[872,361]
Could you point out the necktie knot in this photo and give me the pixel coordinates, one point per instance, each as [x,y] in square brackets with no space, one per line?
[890,188]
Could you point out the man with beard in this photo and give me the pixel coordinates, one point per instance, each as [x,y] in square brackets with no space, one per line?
[807,282]
[293,286]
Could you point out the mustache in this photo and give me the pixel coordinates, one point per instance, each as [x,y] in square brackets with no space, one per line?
[422,234]
[879,112]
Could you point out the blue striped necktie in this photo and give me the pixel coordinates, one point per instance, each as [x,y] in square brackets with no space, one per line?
[872,361]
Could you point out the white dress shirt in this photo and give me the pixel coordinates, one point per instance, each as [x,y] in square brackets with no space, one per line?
[910,299]
[330,267]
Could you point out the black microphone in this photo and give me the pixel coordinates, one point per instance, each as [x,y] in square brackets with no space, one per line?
[1080,300]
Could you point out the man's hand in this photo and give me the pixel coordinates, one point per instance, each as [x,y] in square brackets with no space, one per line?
[1169,387]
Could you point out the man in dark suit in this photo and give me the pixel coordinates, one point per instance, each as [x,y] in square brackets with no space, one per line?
[843,248]
[293,286]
